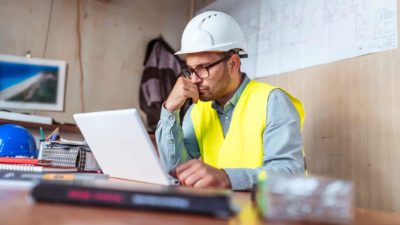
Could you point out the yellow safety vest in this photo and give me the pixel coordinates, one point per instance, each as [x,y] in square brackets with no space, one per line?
[243,145]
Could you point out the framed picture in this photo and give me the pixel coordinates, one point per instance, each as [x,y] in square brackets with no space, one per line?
[32,83]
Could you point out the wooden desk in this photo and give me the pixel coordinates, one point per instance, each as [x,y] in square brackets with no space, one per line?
[17,207]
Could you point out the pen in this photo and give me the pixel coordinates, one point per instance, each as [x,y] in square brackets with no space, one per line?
[41,134]
[53,137]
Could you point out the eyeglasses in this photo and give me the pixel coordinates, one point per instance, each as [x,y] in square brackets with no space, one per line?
[203,71]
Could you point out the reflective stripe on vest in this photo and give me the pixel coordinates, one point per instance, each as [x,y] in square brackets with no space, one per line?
[243,145]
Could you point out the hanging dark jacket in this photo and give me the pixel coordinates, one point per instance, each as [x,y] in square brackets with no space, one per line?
[161,70]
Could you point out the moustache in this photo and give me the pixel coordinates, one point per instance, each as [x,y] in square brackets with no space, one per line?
[202,87]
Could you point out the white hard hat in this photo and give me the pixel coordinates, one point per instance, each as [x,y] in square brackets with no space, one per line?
[212,31]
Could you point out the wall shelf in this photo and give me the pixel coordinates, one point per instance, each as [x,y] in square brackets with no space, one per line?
[63,127]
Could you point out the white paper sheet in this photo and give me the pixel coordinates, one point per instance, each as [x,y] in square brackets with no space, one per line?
[293,34]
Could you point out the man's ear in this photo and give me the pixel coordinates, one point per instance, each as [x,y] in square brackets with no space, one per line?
[234,63]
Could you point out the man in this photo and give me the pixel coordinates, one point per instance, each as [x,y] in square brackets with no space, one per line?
[236,127]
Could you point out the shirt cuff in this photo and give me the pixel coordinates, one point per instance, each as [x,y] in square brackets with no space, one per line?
[241,179]
[167,115]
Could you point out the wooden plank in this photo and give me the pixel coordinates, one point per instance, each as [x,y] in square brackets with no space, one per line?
[24,26]
[114,37]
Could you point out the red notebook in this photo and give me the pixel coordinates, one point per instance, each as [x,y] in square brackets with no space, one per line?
[25,161]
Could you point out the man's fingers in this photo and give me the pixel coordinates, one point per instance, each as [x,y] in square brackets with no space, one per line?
[182,90]
[193,179]
[193,92]
[195,99]
[203,183]
[179,169]
[190,90]
[195,96]
[191,171]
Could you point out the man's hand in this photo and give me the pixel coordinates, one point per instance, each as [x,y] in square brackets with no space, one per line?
[195,173]
[182,90]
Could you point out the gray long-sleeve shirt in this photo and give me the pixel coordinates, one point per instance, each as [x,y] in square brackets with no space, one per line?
[282,140]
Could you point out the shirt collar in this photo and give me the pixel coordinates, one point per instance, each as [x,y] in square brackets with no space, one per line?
[235,98]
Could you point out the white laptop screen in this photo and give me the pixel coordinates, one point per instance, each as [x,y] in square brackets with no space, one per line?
[121,145]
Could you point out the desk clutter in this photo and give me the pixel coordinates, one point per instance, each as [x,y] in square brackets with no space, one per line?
[54,157]
[291,199]
[18,152]
[299,198]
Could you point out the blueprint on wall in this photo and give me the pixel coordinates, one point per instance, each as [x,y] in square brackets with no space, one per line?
[285,35]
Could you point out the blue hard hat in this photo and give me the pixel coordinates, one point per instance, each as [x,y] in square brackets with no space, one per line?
[16,141]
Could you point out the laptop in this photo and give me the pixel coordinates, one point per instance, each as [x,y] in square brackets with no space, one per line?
[122,146]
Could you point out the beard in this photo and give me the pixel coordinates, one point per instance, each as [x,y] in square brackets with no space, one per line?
[221,84]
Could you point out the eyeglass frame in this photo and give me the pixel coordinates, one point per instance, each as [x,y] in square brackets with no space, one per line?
[206,67]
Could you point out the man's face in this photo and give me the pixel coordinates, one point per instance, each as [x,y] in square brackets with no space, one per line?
[215,86]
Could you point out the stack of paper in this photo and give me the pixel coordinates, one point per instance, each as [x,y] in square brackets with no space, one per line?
[31,165]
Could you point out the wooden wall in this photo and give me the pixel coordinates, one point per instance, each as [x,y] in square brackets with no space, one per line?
[114,36]
[352,125]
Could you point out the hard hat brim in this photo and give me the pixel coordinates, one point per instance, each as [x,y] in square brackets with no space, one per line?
[217,49]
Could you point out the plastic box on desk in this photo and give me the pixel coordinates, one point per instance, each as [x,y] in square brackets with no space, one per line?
[306,199]
[67,155]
